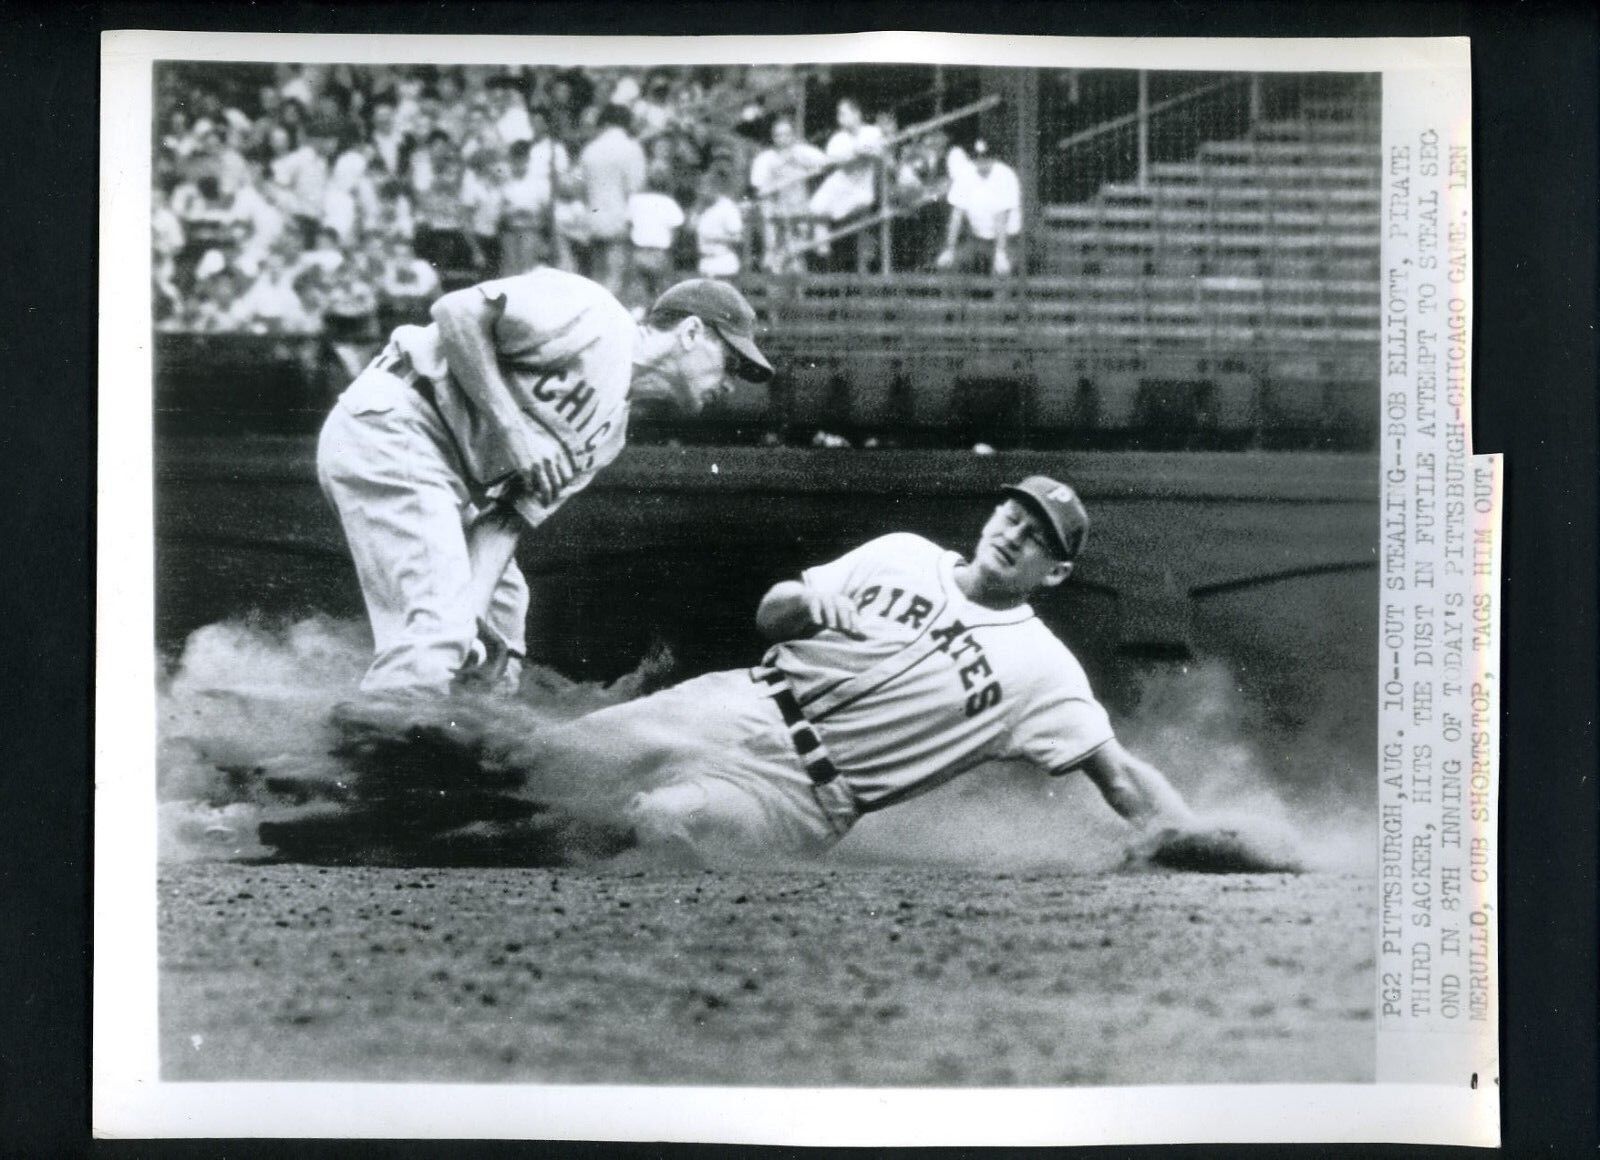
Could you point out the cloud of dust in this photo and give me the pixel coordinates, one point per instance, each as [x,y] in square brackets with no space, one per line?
[1194,724]
[245,734]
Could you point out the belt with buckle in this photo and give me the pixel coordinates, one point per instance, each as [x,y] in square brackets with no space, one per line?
[397,364]
[813,754]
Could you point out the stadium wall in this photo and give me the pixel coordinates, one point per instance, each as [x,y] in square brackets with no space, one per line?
[1259,569]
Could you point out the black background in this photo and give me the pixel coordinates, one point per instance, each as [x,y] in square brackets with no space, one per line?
[1535,99]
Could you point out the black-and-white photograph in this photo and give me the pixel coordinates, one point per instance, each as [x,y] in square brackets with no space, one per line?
[857,575]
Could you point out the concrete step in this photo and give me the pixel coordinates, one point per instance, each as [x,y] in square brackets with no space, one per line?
[1280,152]
[1266,176]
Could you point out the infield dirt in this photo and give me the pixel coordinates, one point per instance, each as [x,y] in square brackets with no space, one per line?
[813,976]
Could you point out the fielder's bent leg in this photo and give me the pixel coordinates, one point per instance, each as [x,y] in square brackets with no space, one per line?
[508,620]
[385,464]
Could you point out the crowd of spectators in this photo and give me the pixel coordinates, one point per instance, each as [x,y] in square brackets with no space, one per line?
[342,199]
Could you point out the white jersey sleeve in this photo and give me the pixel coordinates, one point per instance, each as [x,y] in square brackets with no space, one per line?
[1059,723]
[844,575]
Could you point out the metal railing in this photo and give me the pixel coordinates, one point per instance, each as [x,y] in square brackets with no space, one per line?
[884,213]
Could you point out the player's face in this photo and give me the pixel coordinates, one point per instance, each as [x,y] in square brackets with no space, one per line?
[695,368]
[1015,551]
[783,134]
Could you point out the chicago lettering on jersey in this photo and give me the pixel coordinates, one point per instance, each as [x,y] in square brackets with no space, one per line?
[572,403]
[977,677]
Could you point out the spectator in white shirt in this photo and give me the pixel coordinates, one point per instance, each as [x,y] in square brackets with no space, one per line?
[390,143]
[231,163]
[270,304]
[393,217]
[407,279]
[652,112]
[483,197]
[612,166]
[303,179]
[524,212]
[215,304]
[294,84]
[548,159]
[718,228]
[985,214]
[855,148]
[654,218]
[206,212]
[350,202]
[778,177]
[262,222]
[481,137]
[324,255]
[512,123]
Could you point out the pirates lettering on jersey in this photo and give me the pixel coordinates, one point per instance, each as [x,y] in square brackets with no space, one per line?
[912,609]
[913,612]
[976,674]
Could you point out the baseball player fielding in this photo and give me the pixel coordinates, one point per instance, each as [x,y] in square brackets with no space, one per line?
[462,433]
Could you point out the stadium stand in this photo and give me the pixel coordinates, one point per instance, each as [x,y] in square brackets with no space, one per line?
[1218,289]
[1229,299]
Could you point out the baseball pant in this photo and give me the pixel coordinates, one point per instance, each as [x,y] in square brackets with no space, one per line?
[721,779]
[387,463]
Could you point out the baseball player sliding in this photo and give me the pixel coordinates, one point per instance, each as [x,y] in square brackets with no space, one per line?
[892,669]
[465,431]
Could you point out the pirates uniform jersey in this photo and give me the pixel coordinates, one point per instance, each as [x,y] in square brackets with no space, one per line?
[566,352]
[939,684]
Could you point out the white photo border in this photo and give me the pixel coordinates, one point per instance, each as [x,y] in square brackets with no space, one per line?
[129,1098]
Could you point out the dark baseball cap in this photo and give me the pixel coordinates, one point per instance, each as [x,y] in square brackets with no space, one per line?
[1063,512]
[725,310]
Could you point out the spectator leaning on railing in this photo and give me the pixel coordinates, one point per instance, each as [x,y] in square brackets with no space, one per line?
[852,187]
[777,175]
[985,214]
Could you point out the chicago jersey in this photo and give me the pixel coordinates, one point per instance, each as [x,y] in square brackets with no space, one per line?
[566,352]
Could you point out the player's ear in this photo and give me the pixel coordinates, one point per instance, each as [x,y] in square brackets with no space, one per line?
[690,330]
[1059,574]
